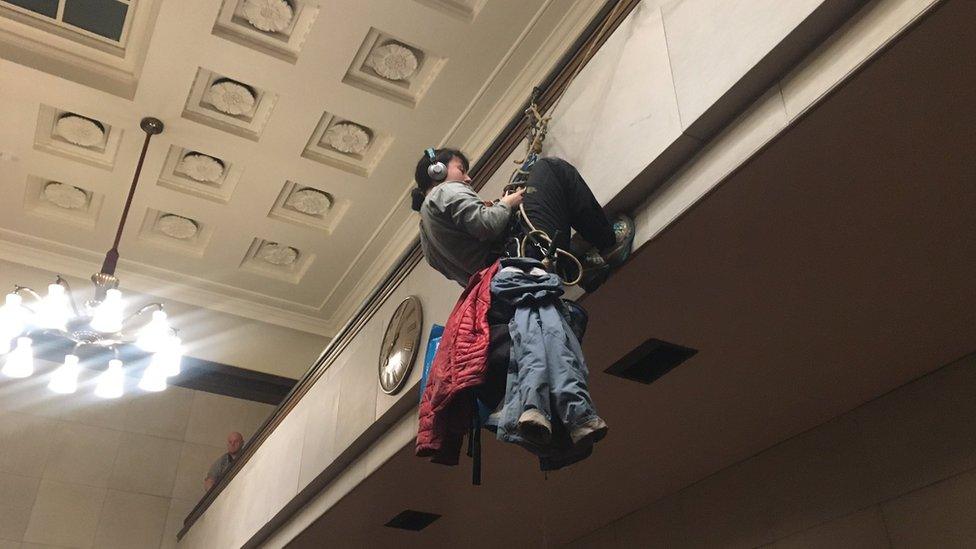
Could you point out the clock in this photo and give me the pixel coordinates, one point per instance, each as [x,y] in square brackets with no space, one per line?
[400,343]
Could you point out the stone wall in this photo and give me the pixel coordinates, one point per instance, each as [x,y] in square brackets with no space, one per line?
[898,471]
[79,471]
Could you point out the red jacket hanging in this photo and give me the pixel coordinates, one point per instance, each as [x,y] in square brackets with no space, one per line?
[459,365]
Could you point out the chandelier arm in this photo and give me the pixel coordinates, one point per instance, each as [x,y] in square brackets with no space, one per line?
[29,291]
[154,305]
[18,289]
[71,298]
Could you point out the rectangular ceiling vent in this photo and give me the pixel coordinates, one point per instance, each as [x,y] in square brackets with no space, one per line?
[412,520]
[651,360]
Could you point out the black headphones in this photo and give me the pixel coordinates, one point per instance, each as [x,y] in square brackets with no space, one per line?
[437,170]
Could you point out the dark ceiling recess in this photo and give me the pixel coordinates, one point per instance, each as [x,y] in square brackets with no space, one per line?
[47,8]
[651,360]
[102,17]
[412,520]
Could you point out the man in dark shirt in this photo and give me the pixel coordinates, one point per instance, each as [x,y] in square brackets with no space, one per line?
[220,467]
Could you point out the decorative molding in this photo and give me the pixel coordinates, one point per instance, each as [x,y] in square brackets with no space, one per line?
[153,231]
[232,24]
[410,89]
[100,153]
[203,107]
[271,259]
[175,178]
[320,147]
[36,252]
[325,221]
[36,202]
[463,10]
[201,168]
[80,131]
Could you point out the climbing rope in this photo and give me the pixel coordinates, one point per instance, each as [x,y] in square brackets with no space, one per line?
[538,128]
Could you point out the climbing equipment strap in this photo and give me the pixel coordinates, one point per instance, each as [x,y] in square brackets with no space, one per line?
[538,128]
[544,243]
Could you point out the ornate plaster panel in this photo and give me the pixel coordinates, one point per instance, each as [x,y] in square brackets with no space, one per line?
[308,207]
[281,32]
[175,232]
[229,104]
[62,202]
[76,136]
[277,260]
[393,68]
[347,145]
[200,174]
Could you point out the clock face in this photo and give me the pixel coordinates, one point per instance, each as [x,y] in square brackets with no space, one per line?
[400,343]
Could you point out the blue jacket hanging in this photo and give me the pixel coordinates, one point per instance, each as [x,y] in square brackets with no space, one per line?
[547,407]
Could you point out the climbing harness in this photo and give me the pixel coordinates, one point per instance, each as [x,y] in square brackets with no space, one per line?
[543,242]
[538,128]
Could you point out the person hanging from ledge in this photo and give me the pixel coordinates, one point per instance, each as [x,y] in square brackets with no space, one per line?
[461,234]
[463,237]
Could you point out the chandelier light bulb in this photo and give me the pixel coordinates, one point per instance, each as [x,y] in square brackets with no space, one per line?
[20,362]
[64,380]
[153,379]
[108,313]
[170,357]
[12,317]
[54,310]
[155,335]
[110,381]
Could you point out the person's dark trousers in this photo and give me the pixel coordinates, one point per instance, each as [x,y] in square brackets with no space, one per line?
[557,199]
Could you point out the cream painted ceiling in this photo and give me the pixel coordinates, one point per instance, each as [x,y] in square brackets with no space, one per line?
[477,61]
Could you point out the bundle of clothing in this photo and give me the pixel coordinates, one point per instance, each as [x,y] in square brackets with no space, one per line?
[520,364]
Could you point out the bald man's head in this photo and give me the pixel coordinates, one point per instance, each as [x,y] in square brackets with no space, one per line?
[234,442]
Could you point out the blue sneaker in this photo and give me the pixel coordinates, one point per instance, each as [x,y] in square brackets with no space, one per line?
[623,233]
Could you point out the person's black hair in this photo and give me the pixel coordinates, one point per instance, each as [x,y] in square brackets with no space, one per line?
[424,182]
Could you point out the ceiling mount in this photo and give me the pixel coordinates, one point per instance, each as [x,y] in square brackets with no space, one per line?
[152,126]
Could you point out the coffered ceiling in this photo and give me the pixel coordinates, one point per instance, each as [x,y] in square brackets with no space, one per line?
[279,189]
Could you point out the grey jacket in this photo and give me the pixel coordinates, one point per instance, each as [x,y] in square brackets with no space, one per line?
[458,231]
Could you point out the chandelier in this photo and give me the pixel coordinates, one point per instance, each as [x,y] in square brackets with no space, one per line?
[94,333]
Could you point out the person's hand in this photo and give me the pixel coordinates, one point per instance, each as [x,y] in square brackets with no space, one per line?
[512,200]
